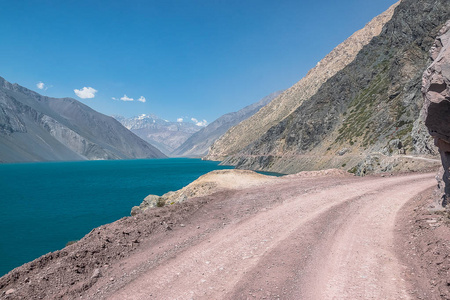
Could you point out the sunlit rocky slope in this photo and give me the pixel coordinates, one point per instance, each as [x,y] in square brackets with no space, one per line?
[363,117]
[248,131]
[38,128]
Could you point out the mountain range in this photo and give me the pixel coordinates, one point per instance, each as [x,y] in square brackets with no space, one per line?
[164,135]
[185,139]
[198,144]
[38,128]
[358,109]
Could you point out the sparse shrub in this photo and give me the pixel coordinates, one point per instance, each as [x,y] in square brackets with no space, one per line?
[160,202]
[353,170]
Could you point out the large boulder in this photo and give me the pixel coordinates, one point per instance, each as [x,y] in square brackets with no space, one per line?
[436,93]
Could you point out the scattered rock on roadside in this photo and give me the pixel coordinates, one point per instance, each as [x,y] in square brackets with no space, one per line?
[96,274]
[10,291]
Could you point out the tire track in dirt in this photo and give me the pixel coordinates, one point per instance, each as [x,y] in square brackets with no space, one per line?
[329,244]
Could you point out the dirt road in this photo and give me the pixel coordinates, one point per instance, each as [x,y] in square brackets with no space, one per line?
[327,239]
[300,236]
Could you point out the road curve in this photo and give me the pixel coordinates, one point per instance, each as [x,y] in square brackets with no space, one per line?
[327,238]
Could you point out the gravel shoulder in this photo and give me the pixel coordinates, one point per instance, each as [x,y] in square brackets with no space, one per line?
[305,236]
[422,241]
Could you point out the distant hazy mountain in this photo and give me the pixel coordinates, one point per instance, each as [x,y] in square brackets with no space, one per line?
[198,144]
[164,135]
[38,128]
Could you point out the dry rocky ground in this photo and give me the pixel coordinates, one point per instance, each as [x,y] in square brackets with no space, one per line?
[315,235]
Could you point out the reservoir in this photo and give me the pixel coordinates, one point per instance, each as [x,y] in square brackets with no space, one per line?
[45,205]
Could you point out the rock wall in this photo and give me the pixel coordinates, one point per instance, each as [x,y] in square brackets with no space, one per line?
[436,94]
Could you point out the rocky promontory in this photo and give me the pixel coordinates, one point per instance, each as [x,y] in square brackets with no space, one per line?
[205,185]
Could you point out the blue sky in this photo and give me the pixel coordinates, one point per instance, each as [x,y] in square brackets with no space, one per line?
[186,58]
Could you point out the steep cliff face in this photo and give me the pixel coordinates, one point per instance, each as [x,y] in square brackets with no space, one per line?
[38,128]
[198,144]
[368,109]
[248,131]
[436,108]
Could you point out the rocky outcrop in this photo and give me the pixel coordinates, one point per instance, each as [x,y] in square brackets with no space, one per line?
[436,93]
[370,107]
[250,130]
[38,128]
[198,144]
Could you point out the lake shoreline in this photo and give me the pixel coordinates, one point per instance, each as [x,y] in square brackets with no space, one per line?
[47,204]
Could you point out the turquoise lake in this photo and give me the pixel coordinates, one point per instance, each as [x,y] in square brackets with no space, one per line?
[46,205]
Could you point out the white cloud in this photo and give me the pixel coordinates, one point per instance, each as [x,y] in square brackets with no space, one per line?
[179,120]
[86,92]
[40,85]
[199,123]
[125,98]
[202,123]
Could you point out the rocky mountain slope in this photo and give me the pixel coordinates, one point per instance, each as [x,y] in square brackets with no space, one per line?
[198,144]
[164,135]
[366,116]
[38,128]
[250,130]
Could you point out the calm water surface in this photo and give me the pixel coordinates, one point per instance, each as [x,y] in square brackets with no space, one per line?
[45,205]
